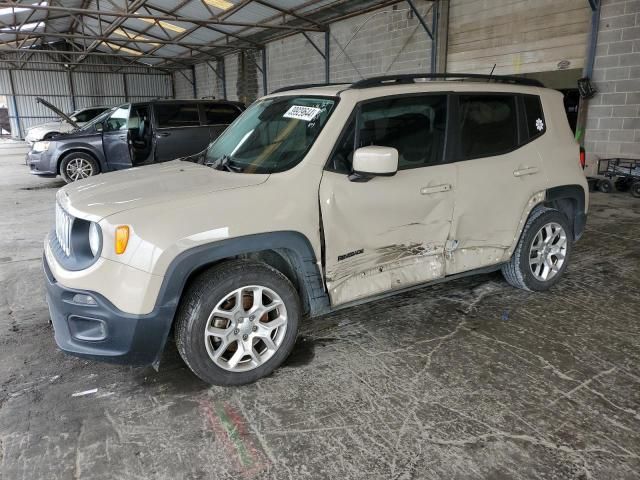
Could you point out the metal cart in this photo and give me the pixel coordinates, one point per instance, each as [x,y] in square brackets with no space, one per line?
[621,173]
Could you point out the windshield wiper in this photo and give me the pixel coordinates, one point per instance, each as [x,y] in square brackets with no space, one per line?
[224,163]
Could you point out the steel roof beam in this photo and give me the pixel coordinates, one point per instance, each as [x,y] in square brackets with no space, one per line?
[169,18]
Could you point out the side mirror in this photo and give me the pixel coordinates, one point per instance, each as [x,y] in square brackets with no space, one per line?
[373,161]
[99,127]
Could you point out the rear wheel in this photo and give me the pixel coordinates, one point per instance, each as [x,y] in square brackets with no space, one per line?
[605,186]
[77,166]
[635,189]
[543,251]
[237,323]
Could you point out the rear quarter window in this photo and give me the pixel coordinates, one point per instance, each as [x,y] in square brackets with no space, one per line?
[217,114]
[534,117]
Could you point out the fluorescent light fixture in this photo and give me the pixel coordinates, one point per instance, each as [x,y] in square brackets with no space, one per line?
[132,36]
[221,4]
[167,25]
[12,10]
[119,48]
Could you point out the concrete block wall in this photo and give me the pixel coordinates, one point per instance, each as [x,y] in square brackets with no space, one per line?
[385,41]
[613,115]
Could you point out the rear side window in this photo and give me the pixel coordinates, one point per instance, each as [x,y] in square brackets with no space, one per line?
[488,125]
[177,115]
[215,114]
[534,117]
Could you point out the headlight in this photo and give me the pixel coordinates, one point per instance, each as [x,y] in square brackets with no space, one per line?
[94,238]
[41,146]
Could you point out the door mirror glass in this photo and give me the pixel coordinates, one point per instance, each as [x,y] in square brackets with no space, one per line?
[375,161]
[99,127]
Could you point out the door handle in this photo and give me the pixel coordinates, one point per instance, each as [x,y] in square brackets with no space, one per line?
[525,171]
[445,187]
[163,134]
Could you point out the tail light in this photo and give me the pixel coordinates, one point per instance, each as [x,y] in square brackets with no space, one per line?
[583,158]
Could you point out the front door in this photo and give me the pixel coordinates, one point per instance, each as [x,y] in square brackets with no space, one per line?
[390,232]
[115,138]
[178,130]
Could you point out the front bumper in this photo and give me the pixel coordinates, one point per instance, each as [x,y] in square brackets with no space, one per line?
[41,163]
[102,331]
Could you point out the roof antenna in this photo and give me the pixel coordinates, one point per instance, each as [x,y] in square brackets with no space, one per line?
[494,67]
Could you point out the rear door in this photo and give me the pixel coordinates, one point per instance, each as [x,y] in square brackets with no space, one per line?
[178,130]
[389,232]
[499,173]
[217,117]
[115,138]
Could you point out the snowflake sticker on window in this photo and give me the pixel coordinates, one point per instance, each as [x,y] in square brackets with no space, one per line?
[539,124]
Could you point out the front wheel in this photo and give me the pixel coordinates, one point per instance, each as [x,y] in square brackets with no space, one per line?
[542,254]
[237,322]
[77,166]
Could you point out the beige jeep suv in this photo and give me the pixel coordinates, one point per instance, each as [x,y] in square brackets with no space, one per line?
[315,199]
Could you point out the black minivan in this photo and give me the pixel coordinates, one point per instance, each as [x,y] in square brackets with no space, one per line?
[133,134]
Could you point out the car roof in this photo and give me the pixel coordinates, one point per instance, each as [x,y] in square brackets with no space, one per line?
[398,84]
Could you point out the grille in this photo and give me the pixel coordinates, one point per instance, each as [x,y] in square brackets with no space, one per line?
[63,229]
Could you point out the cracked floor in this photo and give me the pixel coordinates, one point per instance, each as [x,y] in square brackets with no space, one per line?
[469,379]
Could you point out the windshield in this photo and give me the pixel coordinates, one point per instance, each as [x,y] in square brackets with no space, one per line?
[272,135]
[103,116]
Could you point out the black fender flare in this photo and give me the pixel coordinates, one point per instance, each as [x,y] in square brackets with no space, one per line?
[294,245]
[575,208]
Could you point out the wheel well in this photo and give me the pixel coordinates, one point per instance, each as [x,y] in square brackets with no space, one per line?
[66,154]
[570,200]
[281,259]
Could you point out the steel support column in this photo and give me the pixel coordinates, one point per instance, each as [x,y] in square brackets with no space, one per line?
[264,70]
[72,90]
[193,84]
[223,74]
[425,27]
[15,104]
[435,12]
[327,56]
[126,87]
[593,38]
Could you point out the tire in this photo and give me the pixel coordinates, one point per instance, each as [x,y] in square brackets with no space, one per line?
[622,184]
[521,272]
[605,186]
[77,166]
[50,135]
[635,189]
[212,298]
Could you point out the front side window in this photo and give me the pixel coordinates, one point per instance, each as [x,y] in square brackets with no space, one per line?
[488,125]
[87,115]
[172,115]
[415,126]
[118,119]
[272,135]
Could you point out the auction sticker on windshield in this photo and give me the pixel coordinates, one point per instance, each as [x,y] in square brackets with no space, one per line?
[299,112]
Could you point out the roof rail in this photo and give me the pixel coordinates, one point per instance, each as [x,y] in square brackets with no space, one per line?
[306,85]
[411,78]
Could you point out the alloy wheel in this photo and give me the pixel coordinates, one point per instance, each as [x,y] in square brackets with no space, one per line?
[246,328]
[548,251]
[79,168]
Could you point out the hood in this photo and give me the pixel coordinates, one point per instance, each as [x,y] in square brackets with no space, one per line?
[103,195]
[59,112]
[50,126]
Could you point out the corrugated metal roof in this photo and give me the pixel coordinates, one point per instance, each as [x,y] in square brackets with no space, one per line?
[180,33]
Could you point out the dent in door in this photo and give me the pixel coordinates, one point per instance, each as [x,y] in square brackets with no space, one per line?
[377,270]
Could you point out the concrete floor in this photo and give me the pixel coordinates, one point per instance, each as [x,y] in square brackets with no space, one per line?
[470,379]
